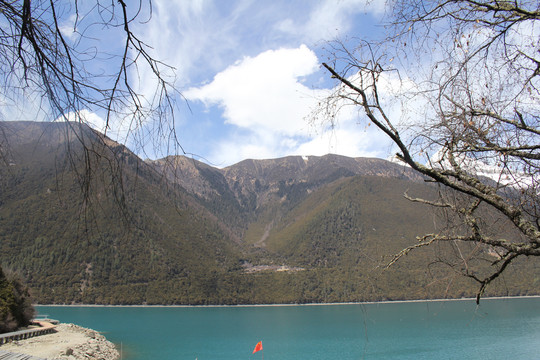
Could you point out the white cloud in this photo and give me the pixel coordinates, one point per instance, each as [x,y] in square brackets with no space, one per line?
[67,28]
[193,36]
[117,130]
[264,94]
[265,100]
[252,146]
[350,140]
[198,37]
[354,141]
[89,118]
[93,120]
[330,19]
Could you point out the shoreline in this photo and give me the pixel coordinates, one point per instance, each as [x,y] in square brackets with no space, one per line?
[307,304]
[69,342]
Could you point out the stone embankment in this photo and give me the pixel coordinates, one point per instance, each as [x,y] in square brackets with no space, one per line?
[69,342]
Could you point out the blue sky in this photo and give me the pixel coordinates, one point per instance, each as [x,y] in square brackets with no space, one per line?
[250,79]
[250,73]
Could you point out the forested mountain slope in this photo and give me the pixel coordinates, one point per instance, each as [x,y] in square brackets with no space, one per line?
[121,244]
[178,231]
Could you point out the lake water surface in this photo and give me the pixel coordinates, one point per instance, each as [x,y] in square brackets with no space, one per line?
[497,329]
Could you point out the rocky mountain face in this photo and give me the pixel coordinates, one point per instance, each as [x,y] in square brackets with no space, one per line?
[247,189]
[84,220]
[262,178]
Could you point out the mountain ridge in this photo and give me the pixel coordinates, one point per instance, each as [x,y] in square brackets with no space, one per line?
[178,231]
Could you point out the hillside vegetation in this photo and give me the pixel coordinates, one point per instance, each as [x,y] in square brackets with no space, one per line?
[16,309]
[177,231]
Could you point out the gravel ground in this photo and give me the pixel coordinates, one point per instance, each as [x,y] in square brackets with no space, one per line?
[70,342]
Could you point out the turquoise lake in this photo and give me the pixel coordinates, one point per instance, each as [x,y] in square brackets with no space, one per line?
[497,329]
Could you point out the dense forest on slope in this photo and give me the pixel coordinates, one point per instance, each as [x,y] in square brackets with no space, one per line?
[177,231]
[16,309]
[72,248]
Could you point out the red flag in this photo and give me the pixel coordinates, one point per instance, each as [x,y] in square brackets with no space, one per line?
[258,347]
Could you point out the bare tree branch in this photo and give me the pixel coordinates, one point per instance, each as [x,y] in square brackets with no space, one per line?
[480,128]
[39,61]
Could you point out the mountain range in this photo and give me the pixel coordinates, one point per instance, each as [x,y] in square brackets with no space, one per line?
[84,220]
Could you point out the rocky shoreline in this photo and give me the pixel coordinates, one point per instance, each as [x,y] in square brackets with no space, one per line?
[69,342]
